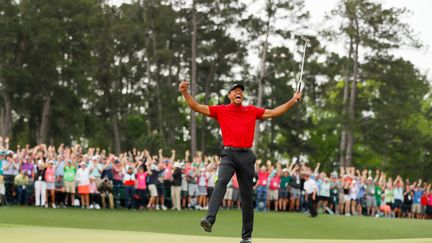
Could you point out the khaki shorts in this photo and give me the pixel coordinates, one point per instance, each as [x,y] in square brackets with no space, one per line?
[228,194]
[273,195]
[1,179]
[153,190]
[416,208]
[69,186]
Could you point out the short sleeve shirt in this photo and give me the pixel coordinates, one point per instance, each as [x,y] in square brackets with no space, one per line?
[237,123]
[69,173]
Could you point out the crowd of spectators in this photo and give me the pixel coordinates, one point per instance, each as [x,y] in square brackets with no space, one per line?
[45,176]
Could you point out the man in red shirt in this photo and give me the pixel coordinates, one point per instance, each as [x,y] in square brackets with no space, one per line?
[237,123]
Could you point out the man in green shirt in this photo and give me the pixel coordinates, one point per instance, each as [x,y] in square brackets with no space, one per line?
[283,190]
[21,182]
[69,181]
[378,192]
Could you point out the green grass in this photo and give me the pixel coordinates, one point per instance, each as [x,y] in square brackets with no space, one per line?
[267,225]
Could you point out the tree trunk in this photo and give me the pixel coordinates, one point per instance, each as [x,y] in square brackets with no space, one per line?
[193,78]
[344,135]
[158,88]
[6,111]
[351,109]
[260,84]
[43,130]
[148,74]
[209,79]
[6,116]
[116,132]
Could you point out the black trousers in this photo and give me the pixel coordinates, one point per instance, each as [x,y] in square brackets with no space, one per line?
[241,162]
[9,188]
[312,205]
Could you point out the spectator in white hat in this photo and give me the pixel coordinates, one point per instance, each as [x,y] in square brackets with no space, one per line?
[40,184]
[176,186]
[311,190]
[83,179]
[96,169]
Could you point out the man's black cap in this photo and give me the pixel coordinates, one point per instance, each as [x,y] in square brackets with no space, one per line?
[234,86]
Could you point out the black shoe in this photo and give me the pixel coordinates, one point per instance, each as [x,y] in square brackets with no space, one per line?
[246,240]
[206,225]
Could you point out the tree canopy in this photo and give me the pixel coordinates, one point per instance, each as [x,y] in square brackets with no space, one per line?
[87,72]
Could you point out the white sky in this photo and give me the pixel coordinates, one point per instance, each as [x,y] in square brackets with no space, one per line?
[420,20]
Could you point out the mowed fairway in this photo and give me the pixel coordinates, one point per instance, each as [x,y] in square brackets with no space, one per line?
[78,225]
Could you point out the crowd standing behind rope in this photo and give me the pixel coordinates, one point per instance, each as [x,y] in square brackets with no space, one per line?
[44,176]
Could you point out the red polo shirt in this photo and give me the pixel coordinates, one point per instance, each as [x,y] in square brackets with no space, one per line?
[237,123]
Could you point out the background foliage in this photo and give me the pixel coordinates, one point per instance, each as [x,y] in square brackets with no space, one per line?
[88,72]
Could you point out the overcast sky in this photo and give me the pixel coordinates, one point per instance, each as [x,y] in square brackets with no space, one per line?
[420,20]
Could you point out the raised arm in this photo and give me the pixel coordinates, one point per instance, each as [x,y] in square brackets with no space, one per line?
[193,104]
[275,112]
[316,171]
[160,155]
[377,173]
[173,152]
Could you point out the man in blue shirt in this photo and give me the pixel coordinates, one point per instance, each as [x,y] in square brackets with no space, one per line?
[416,207]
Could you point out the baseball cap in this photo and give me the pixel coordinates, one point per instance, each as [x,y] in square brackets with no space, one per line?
[234,86]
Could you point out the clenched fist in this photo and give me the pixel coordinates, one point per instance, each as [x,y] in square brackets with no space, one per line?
[297,96]
[183,86]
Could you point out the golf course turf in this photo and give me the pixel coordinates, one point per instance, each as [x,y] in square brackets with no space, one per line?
[267,225]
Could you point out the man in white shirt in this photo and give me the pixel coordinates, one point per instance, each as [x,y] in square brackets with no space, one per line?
[311,189]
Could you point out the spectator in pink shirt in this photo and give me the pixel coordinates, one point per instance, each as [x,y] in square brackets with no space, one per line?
[50,182]
[167,174]
[94,194]
[274,191]
[261,186]
[141,186]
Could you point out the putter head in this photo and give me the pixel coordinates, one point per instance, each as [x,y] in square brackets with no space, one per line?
[305,38]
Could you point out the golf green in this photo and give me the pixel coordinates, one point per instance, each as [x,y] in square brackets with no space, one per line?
[267,225]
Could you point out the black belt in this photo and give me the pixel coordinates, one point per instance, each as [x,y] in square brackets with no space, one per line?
[237,149]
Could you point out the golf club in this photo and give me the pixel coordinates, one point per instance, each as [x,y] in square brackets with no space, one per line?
[306,40]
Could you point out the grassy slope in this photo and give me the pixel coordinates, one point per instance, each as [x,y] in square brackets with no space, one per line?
[268,225]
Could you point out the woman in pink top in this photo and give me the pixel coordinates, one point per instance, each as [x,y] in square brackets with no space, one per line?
[94,195]
[429,203]
[50,183]
[273,194]
[141,186]
[261,186]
